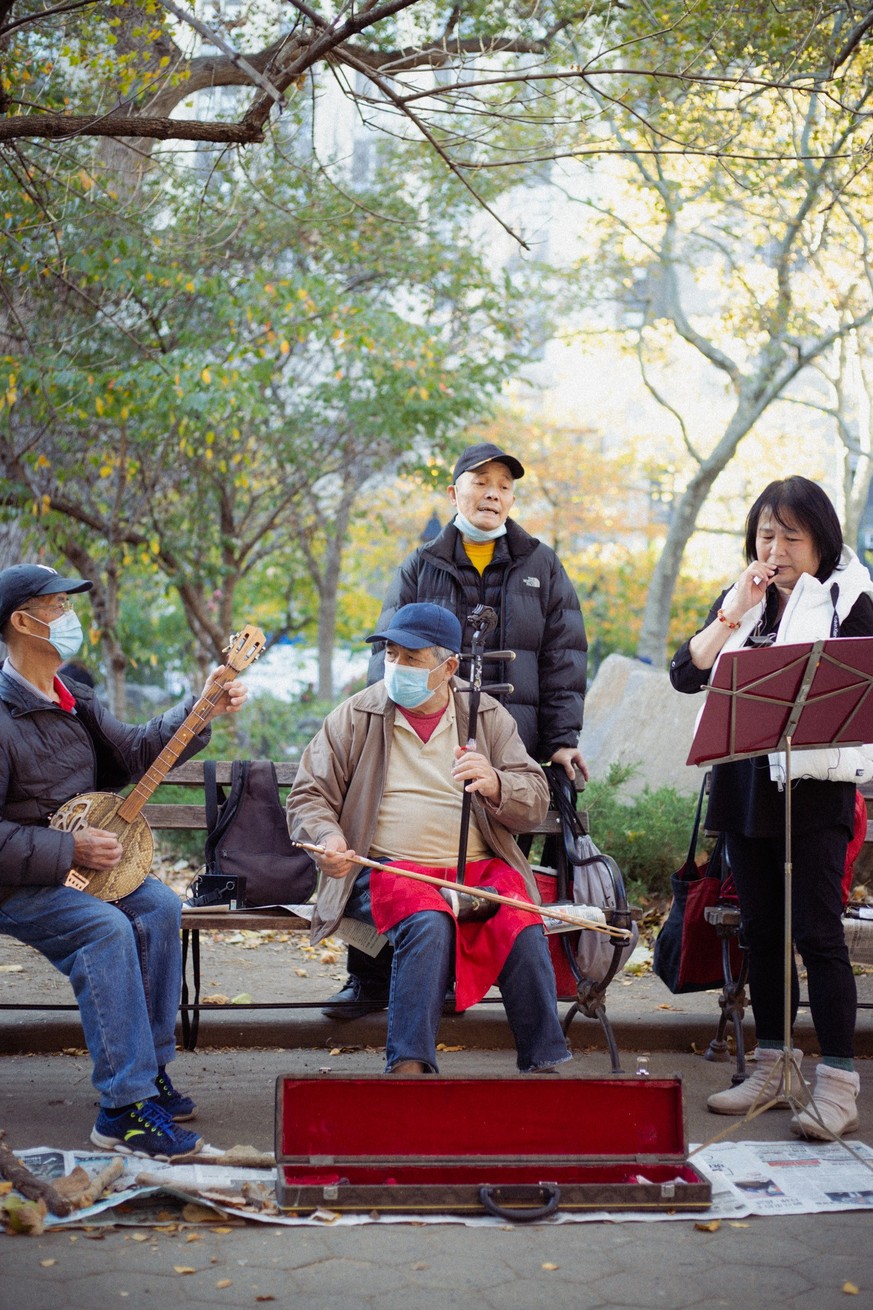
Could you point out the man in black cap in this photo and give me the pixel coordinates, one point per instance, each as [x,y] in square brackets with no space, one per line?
[484,557]
[123,958]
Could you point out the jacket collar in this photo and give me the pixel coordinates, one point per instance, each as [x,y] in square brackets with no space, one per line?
[21,701]
[14,694]
[517,544]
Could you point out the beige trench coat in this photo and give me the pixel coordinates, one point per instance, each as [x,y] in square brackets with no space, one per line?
[339,785]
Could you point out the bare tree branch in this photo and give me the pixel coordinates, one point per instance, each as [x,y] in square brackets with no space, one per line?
[853,41]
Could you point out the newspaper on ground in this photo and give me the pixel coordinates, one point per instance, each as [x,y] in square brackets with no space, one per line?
[748,1178]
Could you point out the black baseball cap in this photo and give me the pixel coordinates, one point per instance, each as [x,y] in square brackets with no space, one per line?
[421,625]
[483,453]
[24,581]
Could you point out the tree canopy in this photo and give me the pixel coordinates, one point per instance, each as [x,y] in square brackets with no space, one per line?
[486,83]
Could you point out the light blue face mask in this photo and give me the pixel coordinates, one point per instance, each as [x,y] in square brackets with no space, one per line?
[65,634]
[472,533]
[408,687]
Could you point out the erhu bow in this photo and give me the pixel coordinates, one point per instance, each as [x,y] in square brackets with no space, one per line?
[572,916]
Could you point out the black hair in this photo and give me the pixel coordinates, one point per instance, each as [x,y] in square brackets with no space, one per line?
[809,508]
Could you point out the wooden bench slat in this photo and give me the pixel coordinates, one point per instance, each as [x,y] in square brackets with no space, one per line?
[191,773]
[175,816]
[250,920]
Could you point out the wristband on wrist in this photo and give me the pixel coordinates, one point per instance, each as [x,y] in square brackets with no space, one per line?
[722,618]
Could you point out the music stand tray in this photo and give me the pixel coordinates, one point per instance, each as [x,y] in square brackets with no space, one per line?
[782,698]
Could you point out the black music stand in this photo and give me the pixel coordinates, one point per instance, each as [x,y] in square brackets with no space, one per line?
[784,698]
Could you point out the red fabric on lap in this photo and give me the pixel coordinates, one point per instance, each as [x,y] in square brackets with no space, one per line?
[481,948]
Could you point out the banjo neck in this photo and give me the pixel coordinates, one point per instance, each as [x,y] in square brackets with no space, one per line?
[249,645]
[157,771]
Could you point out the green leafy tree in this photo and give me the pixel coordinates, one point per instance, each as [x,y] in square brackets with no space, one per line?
[749,276]
[192,394]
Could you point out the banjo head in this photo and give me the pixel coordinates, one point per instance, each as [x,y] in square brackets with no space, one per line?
[97,809]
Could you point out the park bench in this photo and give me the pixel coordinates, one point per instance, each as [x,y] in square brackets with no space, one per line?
[186,814]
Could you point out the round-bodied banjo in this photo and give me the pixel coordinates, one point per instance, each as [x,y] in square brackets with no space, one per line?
[123,816]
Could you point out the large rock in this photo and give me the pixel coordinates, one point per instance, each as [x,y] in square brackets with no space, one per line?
[633,716]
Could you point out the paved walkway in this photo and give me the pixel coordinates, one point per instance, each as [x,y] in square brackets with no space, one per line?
[46,1099]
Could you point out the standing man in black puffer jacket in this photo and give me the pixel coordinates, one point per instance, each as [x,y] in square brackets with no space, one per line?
[483,557]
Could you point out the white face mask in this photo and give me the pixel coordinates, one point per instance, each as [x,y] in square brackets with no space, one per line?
[65,634]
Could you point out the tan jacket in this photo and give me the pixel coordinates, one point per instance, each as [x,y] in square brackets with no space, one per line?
[339,785]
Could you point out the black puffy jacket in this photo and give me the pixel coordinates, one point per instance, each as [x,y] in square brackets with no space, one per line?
[539,619]
[48,755]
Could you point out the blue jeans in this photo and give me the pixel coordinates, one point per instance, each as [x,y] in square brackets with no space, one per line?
[124,962]
[424,958]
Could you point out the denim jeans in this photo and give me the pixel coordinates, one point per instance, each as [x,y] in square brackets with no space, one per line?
[124,962]
[424,957]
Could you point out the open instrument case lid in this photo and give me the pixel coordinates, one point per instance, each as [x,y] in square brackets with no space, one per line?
[434,1143]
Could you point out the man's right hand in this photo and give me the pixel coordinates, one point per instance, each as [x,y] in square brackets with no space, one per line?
[336,860]
[94,848]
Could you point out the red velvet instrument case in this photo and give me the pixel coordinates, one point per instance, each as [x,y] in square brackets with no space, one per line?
[520,1148]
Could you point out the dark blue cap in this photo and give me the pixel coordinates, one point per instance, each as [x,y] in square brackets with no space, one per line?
[22,582]
[420,625]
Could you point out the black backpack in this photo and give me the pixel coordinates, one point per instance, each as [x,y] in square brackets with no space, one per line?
[247,839]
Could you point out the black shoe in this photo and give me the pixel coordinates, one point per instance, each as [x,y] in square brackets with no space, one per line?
[353,1001]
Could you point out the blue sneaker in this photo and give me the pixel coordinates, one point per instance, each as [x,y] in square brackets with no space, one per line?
[178,1107]
[145,1130]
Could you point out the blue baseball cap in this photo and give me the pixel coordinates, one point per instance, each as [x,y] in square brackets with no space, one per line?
[421,625]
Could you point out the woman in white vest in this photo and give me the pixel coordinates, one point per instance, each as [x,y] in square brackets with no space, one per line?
[801,584]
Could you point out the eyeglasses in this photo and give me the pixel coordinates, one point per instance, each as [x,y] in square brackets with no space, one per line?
[56,607]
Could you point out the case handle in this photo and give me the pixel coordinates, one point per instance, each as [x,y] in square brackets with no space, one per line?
[492,1197]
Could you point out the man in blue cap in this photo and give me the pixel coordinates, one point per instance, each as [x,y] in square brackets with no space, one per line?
[384,778]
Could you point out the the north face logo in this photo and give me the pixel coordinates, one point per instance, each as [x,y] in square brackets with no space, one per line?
[531,582]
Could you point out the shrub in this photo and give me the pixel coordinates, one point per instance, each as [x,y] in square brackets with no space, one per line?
[646,834]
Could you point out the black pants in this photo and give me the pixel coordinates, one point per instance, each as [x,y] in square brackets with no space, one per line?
[818,859]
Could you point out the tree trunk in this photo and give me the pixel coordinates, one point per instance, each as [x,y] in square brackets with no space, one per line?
[652,645]
[329,586]
[755,394]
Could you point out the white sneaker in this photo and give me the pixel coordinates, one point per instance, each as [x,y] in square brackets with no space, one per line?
[833,1109]
[764,1085]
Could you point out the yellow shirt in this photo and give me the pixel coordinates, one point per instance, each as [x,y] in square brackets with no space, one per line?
[479,553]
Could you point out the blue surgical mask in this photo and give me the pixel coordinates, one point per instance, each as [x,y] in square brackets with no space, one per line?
[408,686]
[65,634]
[472,533]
